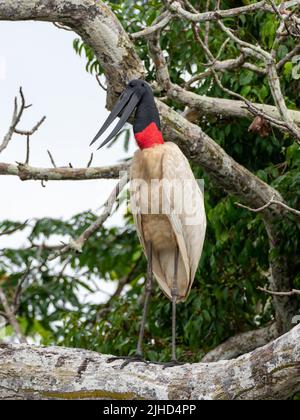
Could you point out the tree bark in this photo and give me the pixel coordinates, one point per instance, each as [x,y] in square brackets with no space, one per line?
[26,172]
[28,372]
[241,344]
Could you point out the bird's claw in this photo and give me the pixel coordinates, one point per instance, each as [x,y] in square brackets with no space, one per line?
[128,359]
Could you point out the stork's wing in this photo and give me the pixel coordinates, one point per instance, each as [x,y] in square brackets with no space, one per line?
[187,215]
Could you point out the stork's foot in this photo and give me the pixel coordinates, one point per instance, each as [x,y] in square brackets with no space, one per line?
[137,358]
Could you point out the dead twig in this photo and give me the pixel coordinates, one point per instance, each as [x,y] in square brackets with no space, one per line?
[271,292]
[268,204]
[33,130]
[51,159]
[78,244]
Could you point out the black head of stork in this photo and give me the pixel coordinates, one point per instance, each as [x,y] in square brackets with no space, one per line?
[136,96]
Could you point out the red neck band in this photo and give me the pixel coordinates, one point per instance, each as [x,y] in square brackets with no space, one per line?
[149,137]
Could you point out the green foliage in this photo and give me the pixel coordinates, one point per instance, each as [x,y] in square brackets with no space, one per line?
[224,299]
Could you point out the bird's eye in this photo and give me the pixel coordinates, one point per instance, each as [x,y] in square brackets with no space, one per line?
[131,84]
[143,84]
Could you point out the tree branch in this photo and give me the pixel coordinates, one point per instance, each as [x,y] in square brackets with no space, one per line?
[176,7]
[77,244]
[271,292]
[11,317]
[31,372]
[268,204]
[162,21]
[241,344]
[17,115]
[26,172]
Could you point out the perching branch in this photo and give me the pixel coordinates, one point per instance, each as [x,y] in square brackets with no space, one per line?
[270,372]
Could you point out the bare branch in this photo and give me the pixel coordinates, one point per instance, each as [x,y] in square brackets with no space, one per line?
[90,161]
[64,27]
[26,172]
[33,130]
[207,24]
[162,72]
[17,114]
[288,57]
[223,107]
[159,24]
[51,159]
[19,289]
[77,244]
[11,317]
[268,204]
[100,83]
[27,150]
[271,292]
[176,7]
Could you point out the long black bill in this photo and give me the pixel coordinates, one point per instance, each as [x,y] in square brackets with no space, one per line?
[124,107]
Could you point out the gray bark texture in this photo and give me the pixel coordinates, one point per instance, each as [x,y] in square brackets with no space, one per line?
[28,372]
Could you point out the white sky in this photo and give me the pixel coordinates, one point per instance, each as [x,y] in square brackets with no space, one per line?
[40,58]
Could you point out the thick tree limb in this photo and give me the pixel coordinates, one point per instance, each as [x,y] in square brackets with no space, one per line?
[241,344]
[207,105]
[26,172]
[28,372]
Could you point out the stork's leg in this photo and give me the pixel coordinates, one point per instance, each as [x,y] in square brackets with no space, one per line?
[138,357]
[148,291]
[174,292]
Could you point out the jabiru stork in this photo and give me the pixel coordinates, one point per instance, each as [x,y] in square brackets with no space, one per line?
[171,237]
